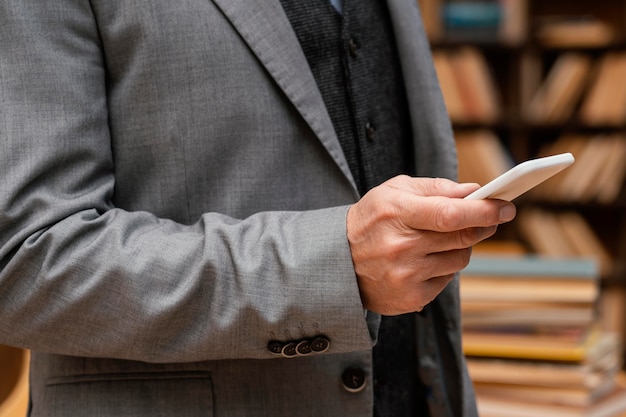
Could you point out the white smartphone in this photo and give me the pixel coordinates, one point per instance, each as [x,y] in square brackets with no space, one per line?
[523,177]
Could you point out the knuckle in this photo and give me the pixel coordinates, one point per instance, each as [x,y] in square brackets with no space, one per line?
[486,232]
[468,237]
[441,182]
[464,257]
[448,217]
[460,258]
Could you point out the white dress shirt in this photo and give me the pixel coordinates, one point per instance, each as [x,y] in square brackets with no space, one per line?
[337,4]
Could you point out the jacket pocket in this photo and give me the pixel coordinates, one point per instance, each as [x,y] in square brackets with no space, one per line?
[188,394]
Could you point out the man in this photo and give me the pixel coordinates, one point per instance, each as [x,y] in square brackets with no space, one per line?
[183,230]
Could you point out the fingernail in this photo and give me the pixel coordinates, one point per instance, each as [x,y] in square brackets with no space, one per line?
[507,213]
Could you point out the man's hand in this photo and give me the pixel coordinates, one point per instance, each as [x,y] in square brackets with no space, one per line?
[409,236]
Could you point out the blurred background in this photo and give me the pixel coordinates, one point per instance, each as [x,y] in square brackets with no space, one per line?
[544,300]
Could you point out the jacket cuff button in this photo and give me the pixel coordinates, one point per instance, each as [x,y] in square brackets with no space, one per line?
[354,379]
[275,347]
[320,344]
[289,350]
[304,347]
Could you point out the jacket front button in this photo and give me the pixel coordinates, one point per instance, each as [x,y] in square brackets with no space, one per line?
[353,379]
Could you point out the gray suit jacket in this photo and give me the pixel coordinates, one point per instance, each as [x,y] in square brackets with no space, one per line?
[173,198]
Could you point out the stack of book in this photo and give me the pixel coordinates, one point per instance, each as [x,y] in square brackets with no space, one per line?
[532,338]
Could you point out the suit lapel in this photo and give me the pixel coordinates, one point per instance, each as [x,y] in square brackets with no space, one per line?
[266,29]
[435,154]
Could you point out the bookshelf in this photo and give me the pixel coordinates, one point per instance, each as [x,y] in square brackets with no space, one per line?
[539,93]
[529,78]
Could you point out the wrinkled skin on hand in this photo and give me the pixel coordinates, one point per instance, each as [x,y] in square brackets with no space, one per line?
[409,236]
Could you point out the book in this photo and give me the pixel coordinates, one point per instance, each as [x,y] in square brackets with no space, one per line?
[588,376]
[551,189]
[564,234]
[612,404]
[502,20]
[431,16]
[583,240]
[541,231]
[529,279]
[612,311]
[576,186]
[557,96]
[477,90]
[558,346]
[573,31]
[531,266]
[597,175]
[481,155]
[512,289]
[530,78]
[568,396]
[449,89]
[473,20]
[481,313]
[514,21]
[612,173]
[585,184]
[605,104]
[467,85]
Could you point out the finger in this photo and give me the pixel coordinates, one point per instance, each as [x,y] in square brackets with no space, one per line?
[442,214]
[461,239]
[424,268]
[415,297]
[445,263]
[428,291]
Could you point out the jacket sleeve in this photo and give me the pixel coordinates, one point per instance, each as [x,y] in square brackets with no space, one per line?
[80,276]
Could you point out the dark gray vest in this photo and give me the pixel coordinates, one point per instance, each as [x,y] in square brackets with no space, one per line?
[354,61]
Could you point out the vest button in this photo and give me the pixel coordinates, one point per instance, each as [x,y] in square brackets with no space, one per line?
[353,379]
[369,131]
[353,46]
